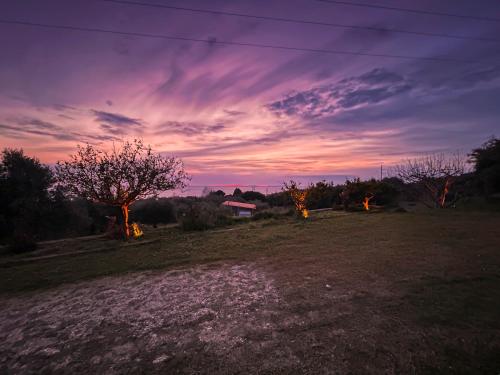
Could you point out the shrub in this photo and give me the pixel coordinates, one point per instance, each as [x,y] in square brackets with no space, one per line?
[220,193]
[262,215]
[215,198]
[384,192]
[323,195]
[253,196]
[387,192]
[273,213]
[224,218]
[260,205]
[153,211]
[279,199]
[66,218]
[486,161]
[198,215]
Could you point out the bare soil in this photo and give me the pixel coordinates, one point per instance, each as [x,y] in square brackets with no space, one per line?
[146,322]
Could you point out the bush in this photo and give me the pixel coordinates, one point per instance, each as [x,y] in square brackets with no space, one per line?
[253,196]
[385,192]
[323,195]
[66,218]
[486,161]
[260,205]
[153,211]
[273,213]
[279,199]
[198,215]
[262,215]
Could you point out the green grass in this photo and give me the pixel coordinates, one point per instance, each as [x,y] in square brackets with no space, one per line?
[376,240]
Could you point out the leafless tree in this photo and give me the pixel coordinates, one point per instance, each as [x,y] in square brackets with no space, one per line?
[120,177]
[435,173]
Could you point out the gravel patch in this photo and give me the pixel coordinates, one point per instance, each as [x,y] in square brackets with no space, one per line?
[145,322]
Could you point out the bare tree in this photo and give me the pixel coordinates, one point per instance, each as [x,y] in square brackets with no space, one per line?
[120,177]
[435,173]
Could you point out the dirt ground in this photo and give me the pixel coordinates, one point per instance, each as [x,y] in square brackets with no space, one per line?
[225,318]
[328,301]
[147,322]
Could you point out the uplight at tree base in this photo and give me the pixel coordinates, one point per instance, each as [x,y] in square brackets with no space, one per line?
[305,213]
[120,177]
[136,231]
[366,203]
[446,190]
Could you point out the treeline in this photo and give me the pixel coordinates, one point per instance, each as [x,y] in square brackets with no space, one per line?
[32,207]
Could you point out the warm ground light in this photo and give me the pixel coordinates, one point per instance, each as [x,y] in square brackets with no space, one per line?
[370,292]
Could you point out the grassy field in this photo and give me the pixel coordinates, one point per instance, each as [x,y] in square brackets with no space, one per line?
[413,241]
[372,292]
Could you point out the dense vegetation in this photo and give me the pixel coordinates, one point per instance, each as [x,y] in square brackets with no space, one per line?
[34,208]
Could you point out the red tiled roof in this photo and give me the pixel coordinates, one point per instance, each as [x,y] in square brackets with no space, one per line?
[239,204]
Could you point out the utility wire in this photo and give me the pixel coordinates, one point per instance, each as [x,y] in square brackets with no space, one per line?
[214,41]
[301,21]
[410,10]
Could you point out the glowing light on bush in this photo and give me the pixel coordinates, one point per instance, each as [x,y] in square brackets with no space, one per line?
[298,197]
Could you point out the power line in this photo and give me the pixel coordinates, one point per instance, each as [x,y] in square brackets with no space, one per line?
[410,10]
[300,21]
[214,41]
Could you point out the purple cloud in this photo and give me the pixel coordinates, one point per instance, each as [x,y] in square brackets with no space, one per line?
[188,128]
[372,87]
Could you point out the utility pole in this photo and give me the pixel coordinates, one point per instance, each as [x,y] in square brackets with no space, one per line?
[381,171]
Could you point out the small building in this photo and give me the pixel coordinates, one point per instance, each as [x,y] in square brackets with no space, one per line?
[241,209]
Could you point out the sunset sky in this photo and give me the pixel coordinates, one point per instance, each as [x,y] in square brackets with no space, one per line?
[242,114]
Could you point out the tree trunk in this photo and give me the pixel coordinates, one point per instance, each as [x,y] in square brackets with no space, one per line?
[126,229]
[444,192]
